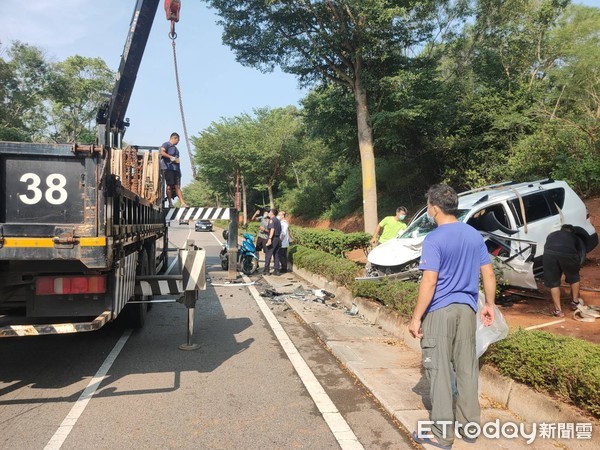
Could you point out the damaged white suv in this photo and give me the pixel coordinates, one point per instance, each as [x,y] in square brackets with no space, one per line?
[514,218]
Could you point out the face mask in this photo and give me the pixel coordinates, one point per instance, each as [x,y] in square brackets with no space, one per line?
[430,219]
[402,217]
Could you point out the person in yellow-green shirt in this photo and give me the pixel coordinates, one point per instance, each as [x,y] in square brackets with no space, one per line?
[390,225]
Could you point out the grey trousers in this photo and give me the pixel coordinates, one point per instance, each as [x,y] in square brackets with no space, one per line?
[448,345]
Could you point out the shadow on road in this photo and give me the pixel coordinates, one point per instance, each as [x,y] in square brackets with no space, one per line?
[57,362]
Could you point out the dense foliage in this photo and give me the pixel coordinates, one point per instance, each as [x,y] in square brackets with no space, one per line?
[346,44]
[506,90]
[44,101]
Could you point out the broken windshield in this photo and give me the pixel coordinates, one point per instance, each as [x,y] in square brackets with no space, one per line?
[422,226]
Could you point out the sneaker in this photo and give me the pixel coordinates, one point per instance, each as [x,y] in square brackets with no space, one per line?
[558,313]
[277,273]
[573,305]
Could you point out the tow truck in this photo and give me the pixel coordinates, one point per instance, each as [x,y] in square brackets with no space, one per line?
[79,224]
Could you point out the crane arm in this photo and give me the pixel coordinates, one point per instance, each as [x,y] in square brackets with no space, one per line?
[111,115]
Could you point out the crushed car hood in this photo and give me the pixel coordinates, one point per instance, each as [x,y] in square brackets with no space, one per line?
[396,251]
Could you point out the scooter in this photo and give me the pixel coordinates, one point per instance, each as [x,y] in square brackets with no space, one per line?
[247,257]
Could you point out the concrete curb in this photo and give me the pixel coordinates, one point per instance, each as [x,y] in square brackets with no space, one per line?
[522,400]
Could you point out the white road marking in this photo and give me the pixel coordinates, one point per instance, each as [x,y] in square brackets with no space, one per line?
[336,422]
[67,425]
[216,238]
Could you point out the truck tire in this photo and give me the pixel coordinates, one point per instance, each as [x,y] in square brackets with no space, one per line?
[135,313]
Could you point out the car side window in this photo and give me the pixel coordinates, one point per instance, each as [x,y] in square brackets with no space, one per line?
[556,197]
[535,205]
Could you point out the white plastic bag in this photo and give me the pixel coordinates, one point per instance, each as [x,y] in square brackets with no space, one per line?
[488,335]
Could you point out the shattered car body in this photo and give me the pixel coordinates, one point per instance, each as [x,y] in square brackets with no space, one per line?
[513,218]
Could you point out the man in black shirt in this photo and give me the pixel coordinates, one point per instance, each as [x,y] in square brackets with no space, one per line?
[273,243]
[561,256]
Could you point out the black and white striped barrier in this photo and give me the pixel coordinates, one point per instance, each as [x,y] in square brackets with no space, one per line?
[185,287]
[180,214]
[192,261]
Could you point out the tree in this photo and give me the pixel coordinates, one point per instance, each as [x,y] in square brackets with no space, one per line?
[75,92]
[495,77]
[200,193]
[226,150]
[277,145]
[24,78]
[40,100]
[268,150]
[329,42]
[575,74]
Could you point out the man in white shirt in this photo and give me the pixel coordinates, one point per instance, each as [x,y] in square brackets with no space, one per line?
[286,238]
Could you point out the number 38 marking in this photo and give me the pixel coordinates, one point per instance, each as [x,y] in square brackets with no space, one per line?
[55,193]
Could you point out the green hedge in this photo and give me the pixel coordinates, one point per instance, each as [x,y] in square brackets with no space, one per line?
[340,270]
[331,241]
[334,242]
[562,365]
[400,296]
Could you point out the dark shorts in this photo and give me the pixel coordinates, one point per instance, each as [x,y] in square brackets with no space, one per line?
[261,244]
[172,178]
[555,264]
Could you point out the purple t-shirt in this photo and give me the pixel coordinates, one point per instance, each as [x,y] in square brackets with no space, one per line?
[455,251]
[165,163]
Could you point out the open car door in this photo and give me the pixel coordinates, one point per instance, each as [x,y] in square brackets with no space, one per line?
[514,257]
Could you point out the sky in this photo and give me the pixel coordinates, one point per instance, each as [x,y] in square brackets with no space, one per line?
[213,84]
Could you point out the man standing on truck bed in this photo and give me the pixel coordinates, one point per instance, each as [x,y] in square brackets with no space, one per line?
[169,164]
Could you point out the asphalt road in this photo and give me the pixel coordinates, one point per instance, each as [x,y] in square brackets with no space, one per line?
[239,390]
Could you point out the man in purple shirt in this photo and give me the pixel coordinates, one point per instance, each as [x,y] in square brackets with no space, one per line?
[170,166]
[445,317]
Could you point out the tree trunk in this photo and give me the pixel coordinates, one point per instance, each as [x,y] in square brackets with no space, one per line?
[367,157]
[245,214]
[271,200]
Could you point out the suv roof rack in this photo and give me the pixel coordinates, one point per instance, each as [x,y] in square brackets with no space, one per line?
[485,188]
[541,181]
